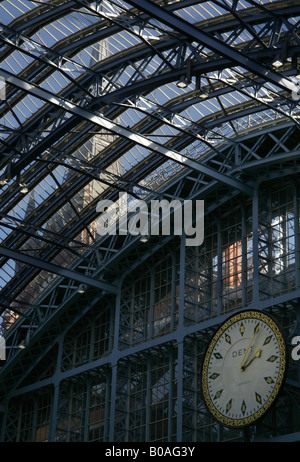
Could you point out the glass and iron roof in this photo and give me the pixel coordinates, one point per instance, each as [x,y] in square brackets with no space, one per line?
[104,97]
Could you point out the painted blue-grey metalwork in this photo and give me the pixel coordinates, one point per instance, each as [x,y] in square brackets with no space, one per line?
[168,100]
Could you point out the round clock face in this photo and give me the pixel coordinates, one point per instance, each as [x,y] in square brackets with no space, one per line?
[243,368]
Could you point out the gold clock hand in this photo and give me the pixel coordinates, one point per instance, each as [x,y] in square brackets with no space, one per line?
[245,355]
[256,354]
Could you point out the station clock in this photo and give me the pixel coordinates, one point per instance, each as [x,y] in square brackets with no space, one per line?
[243,368]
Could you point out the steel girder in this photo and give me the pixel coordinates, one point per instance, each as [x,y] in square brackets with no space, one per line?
[50,128]
[40,318]
[114,96]
[64,272]
[121,131]
[279,144]
[52,60]
[217,46]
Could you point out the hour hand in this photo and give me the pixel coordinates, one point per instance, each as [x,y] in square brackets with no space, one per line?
[256,354]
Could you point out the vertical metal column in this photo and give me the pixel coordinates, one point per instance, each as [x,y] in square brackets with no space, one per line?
[113,406]
[32,438]
[297,309]
[297,236]
[114,361]
[54,409]
[87,409]
[297,262]
[219,270]
[148,400]
[244,254]
[180,337]
[173,294]
[56,383]
[107,408]
[255,224]
[151,303]
[4,421]
[170,386]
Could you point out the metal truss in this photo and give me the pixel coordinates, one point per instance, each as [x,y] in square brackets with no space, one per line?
[116,263]
[92,109]
[62,300]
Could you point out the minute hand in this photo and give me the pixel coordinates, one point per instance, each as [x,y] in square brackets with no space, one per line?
[245,355]
[256,354]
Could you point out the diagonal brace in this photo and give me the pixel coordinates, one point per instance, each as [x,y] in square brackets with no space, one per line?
[113,127]
[56,269]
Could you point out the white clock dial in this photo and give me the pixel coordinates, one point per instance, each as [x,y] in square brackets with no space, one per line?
[243,368]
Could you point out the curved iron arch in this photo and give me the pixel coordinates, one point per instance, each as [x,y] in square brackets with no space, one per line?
[110,105]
